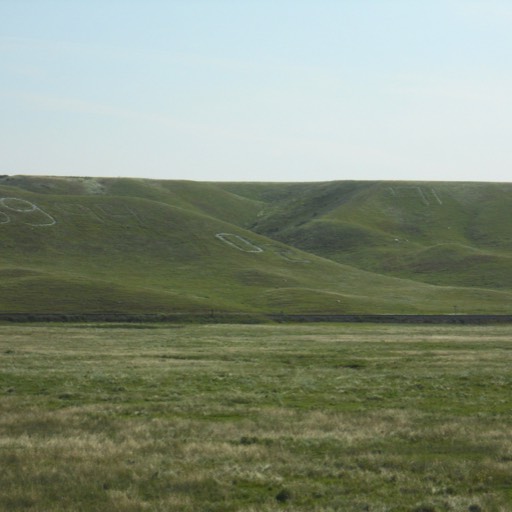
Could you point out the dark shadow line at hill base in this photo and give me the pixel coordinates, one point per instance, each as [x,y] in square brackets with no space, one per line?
[247,318]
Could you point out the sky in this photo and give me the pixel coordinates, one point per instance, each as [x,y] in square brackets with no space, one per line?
[257,90]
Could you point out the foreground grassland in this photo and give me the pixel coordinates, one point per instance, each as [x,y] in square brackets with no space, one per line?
[256,418]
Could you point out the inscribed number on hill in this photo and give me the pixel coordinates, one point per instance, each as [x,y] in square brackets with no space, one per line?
[238,242]
[13,208]
[427,196]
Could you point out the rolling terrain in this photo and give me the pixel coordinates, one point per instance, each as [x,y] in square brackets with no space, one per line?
[442,233]
[135,246]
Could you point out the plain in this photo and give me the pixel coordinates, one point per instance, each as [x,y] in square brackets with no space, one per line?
[132,417]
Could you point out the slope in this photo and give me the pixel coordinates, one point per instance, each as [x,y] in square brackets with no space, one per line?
[443,233]
[138,246]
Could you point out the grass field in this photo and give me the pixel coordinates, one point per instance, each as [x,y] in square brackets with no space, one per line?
[255,418]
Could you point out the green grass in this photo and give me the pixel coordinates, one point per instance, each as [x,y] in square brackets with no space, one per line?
[85,245]
[398,228]
[224,418]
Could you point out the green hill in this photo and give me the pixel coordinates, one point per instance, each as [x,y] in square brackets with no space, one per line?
[86,245]
[457,234]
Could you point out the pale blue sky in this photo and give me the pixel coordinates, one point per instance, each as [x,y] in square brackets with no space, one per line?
[257,90]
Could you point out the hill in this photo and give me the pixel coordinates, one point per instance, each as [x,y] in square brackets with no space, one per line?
[86,245]
[456,234]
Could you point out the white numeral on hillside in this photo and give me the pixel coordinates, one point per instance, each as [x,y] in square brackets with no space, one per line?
[426,196]
[21,209]
[238,242]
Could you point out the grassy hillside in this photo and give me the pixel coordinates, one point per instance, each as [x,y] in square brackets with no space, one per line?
[76,245]
[456,234]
